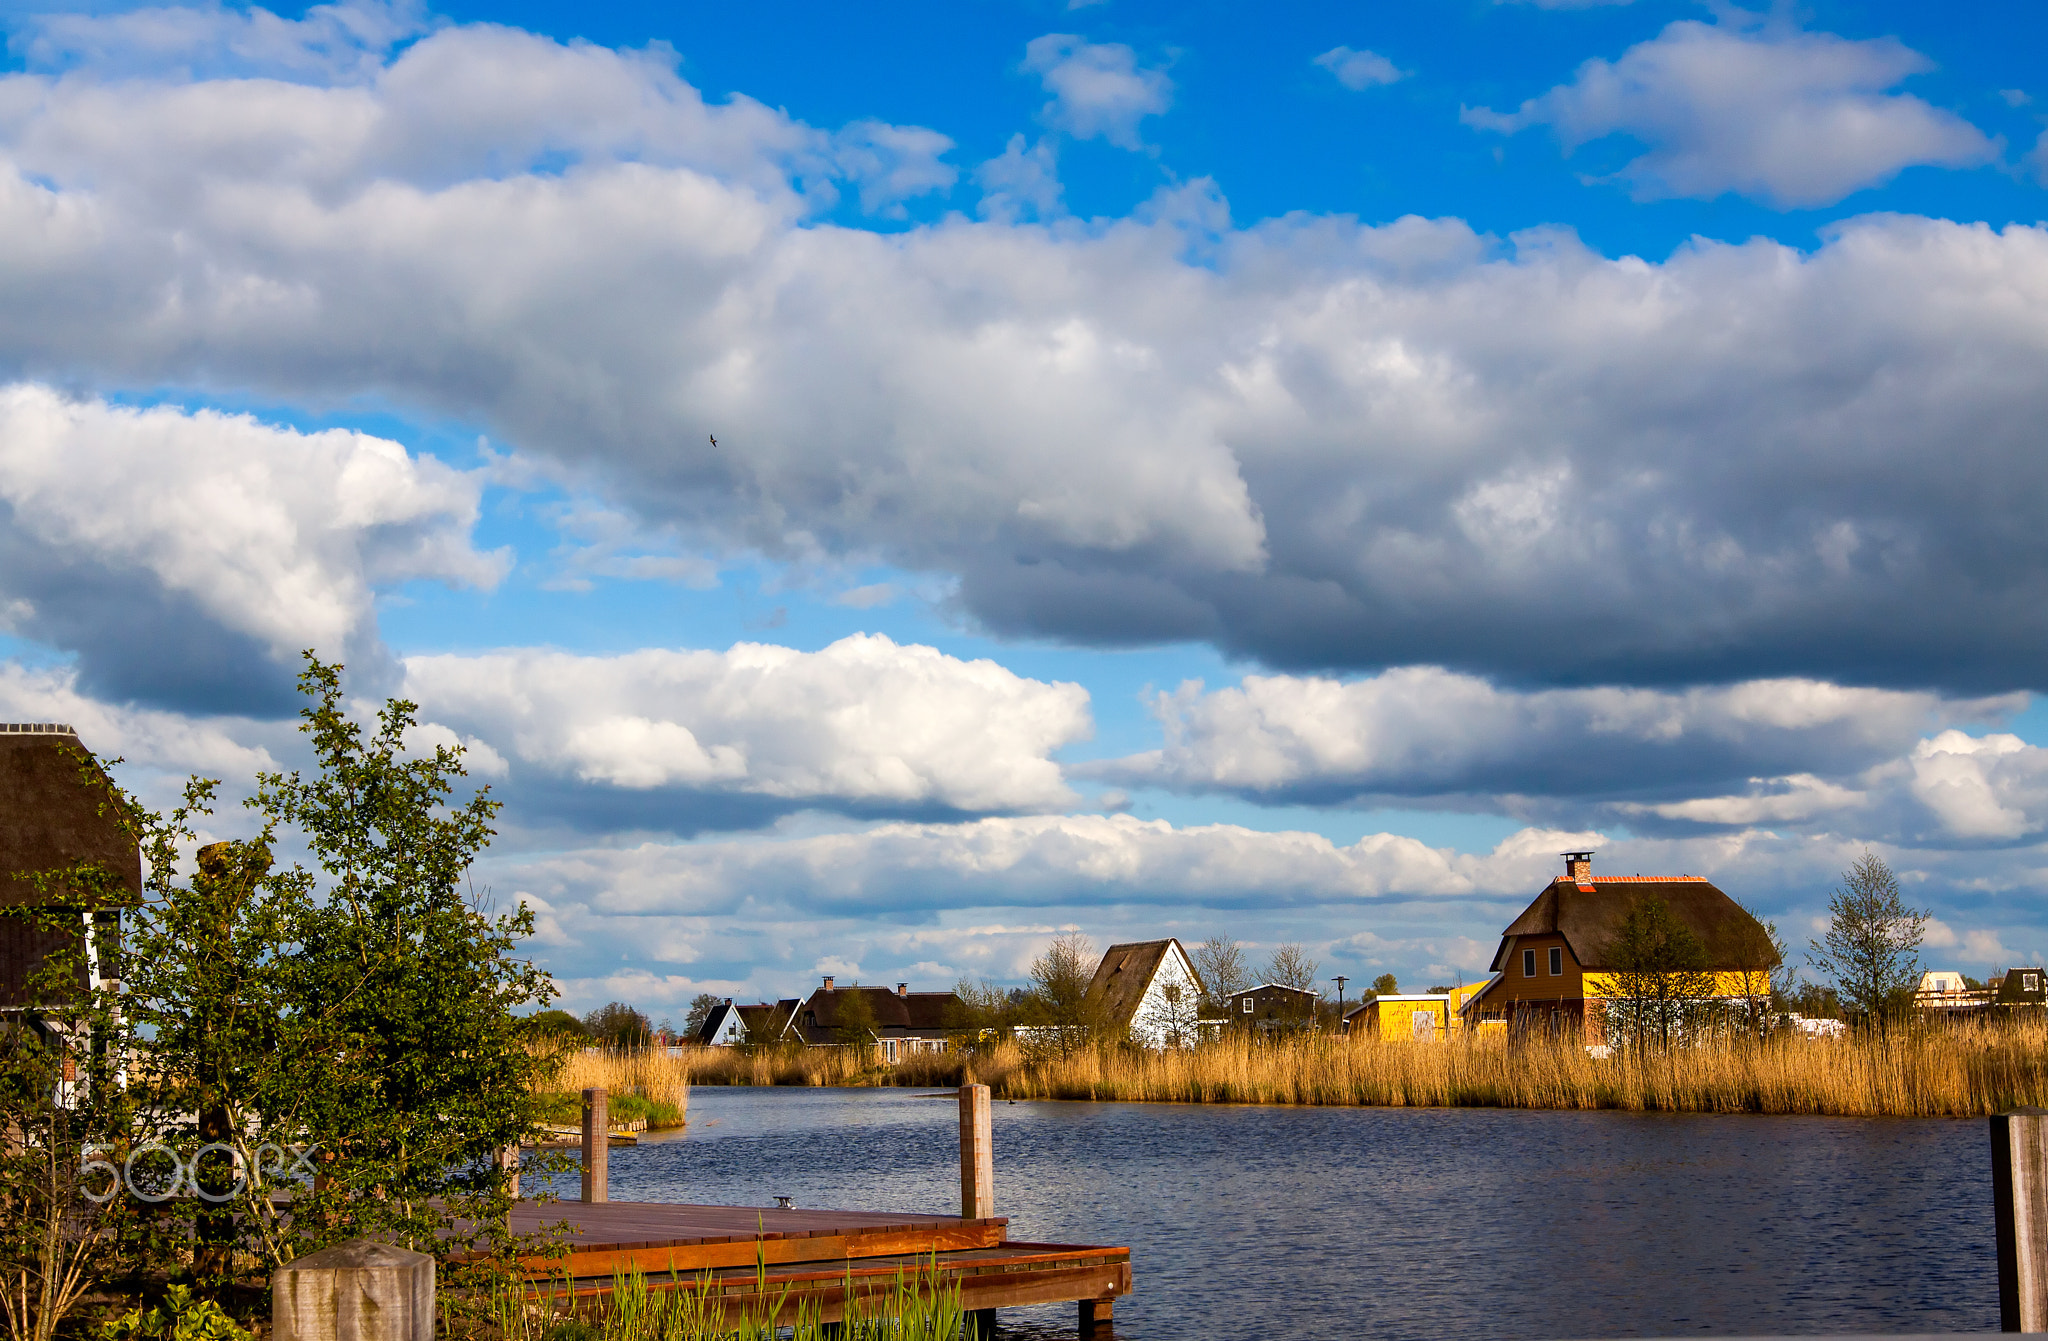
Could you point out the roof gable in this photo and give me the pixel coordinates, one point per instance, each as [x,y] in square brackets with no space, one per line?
[1126,971]
[49,817]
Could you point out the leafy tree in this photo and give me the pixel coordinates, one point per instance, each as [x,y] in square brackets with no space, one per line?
[1180,1014]
[1871,947]
[556,1024]
[1219,961]
[358,1014]
[980,1013]
[702,1007]
[770,1029]
[1660,979]
[1386,985]
[618,1026]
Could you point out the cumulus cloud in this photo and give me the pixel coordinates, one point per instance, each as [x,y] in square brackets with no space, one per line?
[862,724]
[1360,69]
[1314,443]
[1098,88]
[1020,183]
[190,557]
[337,41]
[1423,732]
[1795,119]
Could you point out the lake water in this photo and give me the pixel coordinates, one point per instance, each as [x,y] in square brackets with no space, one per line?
[1403,1223]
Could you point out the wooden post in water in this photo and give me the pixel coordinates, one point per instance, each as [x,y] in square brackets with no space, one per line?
[508,1160]
[354,1291]
[597,1146]
[977,1155]
[2019,1204]
[1098,1317]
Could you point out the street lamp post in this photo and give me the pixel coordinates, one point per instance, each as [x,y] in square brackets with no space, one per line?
[1340,980]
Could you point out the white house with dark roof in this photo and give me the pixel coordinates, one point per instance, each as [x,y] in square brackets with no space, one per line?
[1150,990]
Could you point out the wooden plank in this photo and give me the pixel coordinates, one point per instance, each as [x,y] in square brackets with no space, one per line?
[703,1254]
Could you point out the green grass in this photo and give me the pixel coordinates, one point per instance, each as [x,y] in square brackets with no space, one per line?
[566,1107]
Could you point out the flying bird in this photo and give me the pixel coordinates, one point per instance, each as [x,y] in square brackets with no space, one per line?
[713,437]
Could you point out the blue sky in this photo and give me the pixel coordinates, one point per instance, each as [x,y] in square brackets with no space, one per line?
[1176,471]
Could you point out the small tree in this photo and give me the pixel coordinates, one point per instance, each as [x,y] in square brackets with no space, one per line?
[979,1014]
[1219,961]
[618,1026]
[1660,979]
[853,1020]
[1290,966]
[1059,1000]
[1871,949]
[1179,1014]
[702,1006]
[1386,985]
[1765,979]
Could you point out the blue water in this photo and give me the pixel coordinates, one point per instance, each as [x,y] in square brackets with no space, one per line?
[1403,1223]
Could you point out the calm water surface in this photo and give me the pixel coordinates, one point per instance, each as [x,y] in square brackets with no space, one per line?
[1403,1223]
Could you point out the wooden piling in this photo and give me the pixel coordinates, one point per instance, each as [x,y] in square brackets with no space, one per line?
[1098,1317]
[977,1155]
[597,1145]
[2019,1203]
[508,1160]
[354,1291]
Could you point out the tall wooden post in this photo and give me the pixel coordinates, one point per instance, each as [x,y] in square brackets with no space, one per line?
[597,1146]
[2019,1203]
[508,1160]
[977,1155]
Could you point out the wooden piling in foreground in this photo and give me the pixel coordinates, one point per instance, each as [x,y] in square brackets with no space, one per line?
[977,1155]
[2019,1200]
[597,1145]
[354,1291]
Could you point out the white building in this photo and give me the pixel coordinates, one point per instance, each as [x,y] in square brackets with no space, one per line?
[1151,990]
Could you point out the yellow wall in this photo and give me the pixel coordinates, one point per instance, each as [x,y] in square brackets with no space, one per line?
[1395,1017]
[1727,982]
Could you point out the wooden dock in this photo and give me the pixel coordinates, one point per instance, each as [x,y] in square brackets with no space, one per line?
[815,1260]
[811,1258]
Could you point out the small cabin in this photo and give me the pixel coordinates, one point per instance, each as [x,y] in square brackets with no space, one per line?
[1273,1007]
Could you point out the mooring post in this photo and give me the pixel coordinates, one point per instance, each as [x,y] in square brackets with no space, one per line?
[597,1148]
[354,1291]
[977,1155]
[508,1160]
[1098,1317]
[2019,1204]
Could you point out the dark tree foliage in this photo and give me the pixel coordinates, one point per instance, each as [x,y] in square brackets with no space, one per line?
[701,1007]
[1385,985]
[556,1024]
[617,1025]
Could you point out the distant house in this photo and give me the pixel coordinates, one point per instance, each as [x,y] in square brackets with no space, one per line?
[1148,991]
[1412,1016]
[1555,966]
[50,819]
[902,1022]
[1273,1008]
[2019,988]
[724,1027]
[1944,992]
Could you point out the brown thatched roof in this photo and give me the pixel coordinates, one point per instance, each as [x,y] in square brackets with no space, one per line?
[49,817]
[912,1012]
[1589,914]
[1122,976]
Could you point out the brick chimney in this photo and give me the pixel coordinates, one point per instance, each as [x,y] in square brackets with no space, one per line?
[903,989]
[828,982]
[1578,868]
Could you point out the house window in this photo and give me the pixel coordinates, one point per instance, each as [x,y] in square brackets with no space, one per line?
[1247,1005]
[1556,961]
[1528,963]
[2030,982]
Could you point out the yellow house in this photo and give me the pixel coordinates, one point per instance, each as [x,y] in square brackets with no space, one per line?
[1411,1016]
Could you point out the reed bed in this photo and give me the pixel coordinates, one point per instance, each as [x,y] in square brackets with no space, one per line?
[643,1084]
[1915,1073]
[1967,1071]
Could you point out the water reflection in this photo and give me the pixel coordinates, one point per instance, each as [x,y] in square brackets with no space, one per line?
[1404,1223]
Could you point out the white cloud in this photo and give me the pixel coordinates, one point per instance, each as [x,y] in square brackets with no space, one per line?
[241,529]
[154,744]
[1360,69]
[1993,786]
[1422,731]
[1793,118]
[1309,442]
[1098,89]
[1021,183]
[868,597]
[863,722]
[336,41]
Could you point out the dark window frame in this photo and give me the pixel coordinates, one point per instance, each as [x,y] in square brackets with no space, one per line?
[1557,961]
[1528,963]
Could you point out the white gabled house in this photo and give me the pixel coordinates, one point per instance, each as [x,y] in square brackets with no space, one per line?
[723,1028]
[1149,989]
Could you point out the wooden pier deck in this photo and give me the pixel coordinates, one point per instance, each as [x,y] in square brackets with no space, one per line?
[813,1257]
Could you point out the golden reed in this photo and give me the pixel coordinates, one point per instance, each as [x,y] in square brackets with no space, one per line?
[650,1073]
[1917,1072]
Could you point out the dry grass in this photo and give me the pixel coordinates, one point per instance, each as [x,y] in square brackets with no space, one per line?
[1921,1073]
[1931,1072]
[649,1075]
